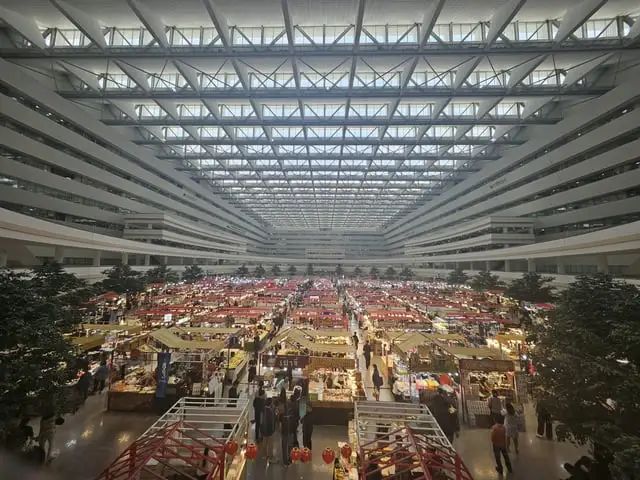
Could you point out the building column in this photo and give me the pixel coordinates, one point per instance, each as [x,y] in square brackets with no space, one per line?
[125,258]
[147,260]
[3,258]
[97,256]
[487,266]
[560,266]
[531,265]
[602,263]
[507,266]
[58,254]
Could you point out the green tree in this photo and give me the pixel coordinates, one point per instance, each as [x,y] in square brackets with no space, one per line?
[339,271]
[374,272]
[229,320]
[485,281]
[161,274]
[532,287]
[310,269]
[259,271]
[275,270]
[192,274]
[292,270]
[35,358]
[390,273]
[406,273]
[242,271]
[457,277]
[357,271]
[122,279]
[588,360]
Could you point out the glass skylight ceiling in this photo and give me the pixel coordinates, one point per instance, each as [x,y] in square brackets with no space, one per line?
[330,126]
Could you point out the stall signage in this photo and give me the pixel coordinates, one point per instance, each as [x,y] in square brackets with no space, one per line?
[288,361]
[164,360]
[486,365]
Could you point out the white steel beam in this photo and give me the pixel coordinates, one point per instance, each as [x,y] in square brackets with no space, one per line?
[151,21]
[501,18]
[576,16]
[169,107]
[25,26]
[429,20]
[83,22]
[519,72]
[125,107]
[532,105]
[137,75]
[579,71]
[464,70]
[88,78]
[485,105]
[189,73]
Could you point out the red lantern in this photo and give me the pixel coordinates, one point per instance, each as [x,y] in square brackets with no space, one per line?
[295,454]
[305,455]
[251,452]
[346,451]
[231,447]
[328,455]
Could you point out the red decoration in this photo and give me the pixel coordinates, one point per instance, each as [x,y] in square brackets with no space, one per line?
[295,454]
[346,451]
[231,447]
[328,455]
[251,451]
[305,455]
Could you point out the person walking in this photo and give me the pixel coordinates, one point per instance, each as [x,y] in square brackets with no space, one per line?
[100,377]
[84,384]
[442,408]
[499,443]
[284,417]
[495,406]
[268,428]
[377,381]
[307,426]
[47,433]
[511,424]
[544,421]
[366,352]
[356,340]
[258,409]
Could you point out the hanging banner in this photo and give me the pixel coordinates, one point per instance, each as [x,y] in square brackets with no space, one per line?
[164,360]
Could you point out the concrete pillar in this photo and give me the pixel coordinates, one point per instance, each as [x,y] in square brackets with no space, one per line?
[58,254]
[560,266]
[165,260]
[97,256]
[602,263]
[531,265]
[180,260]
[507,266]
[125,258]
[147,260]
[487,266]
[3,258]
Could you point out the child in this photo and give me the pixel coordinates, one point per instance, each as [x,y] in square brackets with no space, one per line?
[499,442]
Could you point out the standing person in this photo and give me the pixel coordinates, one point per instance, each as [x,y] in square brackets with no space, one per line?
[290,377]
[511,421]
[233,393]
[307,426]
[495,406]
[258,410]
[294,416]
[366,352]
[544,421]
[395,390]
[356,340]
[256,347]
[268,428]
[285,421]
[499,442]
[84,384]
[46,434]
[441,408]
[100,377]
[377,381]
[252,371]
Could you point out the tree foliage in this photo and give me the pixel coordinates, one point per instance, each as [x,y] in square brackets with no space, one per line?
[275,270]
[339,270]
[406,273]
[310,269]
[457,277]
[390,273]
[192,274]
[357,271]
[259,271]
[242,271]
[35,358]
[485,281]
[532,287]
[161,274]
[588,359]
[292,270]
[374,272]
[122,279]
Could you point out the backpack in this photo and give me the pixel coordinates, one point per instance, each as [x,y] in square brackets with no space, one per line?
[268,423]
